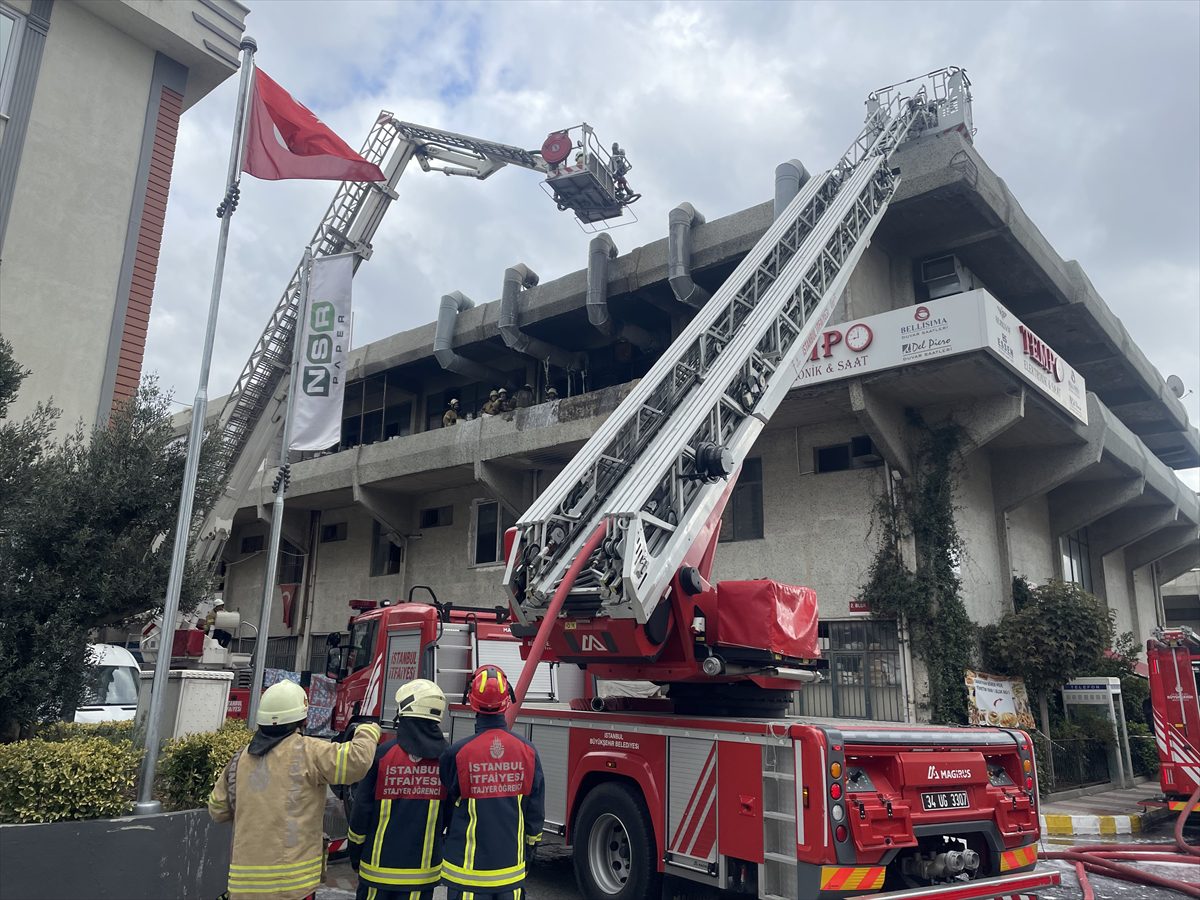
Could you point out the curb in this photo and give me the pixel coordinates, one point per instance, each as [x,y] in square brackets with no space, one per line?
[1082,825]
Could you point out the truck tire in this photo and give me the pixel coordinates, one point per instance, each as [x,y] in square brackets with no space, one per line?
[615,855]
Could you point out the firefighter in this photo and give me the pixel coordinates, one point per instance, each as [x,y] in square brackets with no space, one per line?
[450,416]
[274,791]
[492,405]
[551,394]
[524,398]
[494,780]
[396,824]
[503,404]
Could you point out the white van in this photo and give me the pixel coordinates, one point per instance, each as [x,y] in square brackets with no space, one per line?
[112,691]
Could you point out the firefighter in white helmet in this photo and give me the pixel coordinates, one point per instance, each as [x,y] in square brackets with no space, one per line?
[274,791]
[399,810]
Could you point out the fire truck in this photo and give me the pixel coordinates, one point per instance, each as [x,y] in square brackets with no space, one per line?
[608,574]
[1173,660]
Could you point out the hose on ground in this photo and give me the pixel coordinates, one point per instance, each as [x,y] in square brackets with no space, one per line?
[1110,859]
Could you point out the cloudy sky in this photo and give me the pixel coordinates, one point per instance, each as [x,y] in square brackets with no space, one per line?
[1090,112]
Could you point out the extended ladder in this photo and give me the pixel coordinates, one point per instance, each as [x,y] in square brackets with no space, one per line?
[656,473]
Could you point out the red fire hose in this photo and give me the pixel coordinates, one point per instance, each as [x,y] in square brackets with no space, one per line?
[556,602]
[1110,859]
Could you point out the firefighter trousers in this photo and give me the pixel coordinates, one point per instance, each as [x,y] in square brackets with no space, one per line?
[368,891]
[454,893]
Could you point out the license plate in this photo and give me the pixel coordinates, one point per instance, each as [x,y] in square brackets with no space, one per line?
[944,800]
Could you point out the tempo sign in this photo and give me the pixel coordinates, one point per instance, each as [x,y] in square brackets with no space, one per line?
[950,326]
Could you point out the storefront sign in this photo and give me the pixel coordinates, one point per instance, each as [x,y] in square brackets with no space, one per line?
[953,325]
[996,700]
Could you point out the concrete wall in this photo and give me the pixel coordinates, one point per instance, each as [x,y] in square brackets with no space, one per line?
[985,591]
[1032,551]
[1115,589]
[66,235]
[1145,611]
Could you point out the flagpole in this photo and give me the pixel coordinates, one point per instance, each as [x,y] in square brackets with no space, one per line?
[280,488]
[145,804]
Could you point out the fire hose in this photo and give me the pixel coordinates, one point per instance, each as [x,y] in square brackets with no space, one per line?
[1111,859]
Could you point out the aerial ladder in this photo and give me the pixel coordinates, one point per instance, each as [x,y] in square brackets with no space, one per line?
[580,176]
[611,563]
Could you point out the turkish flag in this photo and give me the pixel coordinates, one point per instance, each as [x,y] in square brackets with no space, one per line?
[285,140]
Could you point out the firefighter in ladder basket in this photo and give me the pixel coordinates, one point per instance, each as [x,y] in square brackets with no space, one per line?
[274,791]
[396,824]
[494,781]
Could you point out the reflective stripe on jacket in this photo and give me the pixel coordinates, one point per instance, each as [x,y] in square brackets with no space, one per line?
[277,804]
[395,828]
[494,779]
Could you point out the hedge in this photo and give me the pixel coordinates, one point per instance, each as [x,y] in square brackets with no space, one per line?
[188,767]
[74,778]
[63,731]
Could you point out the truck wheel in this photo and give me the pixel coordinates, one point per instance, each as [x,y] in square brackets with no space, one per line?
[615,855]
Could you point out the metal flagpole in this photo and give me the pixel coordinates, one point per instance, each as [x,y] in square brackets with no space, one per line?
[145,805]
[281,485]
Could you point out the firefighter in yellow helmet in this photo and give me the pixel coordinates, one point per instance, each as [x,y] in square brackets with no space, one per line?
[274,791]
[399,811]
[494,779]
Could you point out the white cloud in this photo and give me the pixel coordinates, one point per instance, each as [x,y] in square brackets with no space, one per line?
[1088,111]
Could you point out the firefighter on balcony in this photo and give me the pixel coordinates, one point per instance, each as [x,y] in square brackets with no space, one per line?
[450,416]
[398,817]
[274,791]
[494,780]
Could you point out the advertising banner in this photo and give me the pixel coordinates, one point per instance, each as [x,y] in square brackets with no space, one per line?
[997,700]
[324,342]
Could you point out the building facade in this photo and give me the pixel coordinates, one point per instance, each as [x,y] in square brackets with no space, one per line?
[959,312]
[90,99]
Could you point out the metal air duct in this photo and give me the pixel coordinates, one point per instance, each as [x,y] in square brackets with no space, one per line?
[515,278]
[679,255]
[789,178]
[443,343]
[600,251]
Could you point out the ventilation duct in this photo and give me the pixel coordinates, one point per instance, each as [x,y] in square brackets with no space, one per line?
[443,343]
[600,251]
[679,255]
[517,278]
[789,178]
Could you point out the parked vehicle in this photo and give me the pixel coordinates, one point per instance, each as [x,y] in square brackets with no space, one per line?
[112,690]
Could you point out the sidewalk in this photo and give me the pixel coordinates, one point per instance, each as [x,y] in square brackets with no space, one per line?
[1109,812]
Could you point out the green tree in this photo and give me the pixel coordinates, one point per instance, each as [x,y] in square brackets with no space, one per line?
[86,534]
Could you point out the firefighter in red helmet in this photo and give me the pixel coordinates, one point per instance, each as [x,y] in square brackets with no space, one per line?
[494,781]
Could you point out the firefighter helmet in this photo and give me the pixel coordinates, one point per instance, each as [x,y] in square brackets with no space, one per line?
[281,704]
[489,690]
[420,699]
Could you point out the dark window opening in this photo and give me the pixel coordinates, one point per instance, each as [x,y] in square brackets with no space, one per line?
[492,519]
[437,517]
[1077,559]
[291,564]
[857,453]
[386,556]
[335,532]
[743,516]
[252,543]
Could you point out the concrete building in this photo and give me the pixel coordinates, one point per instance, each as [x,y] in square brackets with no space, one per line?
[959,311]
[90,99]
[1181,600]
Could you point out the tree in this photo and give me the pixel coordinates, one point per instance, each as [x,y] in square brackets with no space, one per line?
[86,534]
[1060,632]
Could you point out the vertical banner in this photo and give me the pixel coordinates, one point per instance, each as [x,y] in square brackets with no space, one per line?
[324,342]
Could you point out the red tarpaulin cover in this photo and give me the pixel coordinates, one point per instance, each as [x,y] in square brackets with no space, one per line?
[768,615]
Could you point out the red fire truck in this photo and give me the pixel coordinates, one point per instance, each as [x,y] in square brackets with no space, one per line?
[609,573]
[1173,659]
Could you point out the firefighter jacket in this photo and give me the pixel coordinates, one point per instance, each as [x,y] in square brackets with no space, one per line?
[274,791]
[494,781]
[396,824]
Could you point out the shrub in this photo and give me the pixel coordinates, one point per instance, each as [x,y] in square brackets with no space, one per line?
[53,732]
[73,778]
[1143,749]
[188,767]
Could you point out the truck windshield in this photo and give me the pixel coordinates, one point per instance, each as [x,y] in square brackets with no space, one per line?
[112,686]
[362,643]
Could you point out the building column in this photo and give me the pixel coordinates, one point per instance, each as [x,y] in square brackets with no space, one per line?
[884,423]
[512,487]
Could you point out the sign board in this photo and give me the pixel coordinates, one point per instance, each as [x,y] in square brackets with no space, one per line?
[859,607]
[961,323]
[402,664]
[997,701]
[1091,690]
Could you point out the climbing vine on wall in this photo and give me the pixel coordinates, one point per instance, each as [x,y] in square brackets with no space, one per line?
[926,599]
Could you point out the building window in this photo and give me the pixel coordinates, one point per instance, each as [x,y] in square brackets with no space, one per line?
[376,409]
[252,543]
[861,667]
[385,555]
[281,652]
[1076,559]
[12,27]
[291,564]
[331,533]
[437,517]
[857,453]
[743,516]
[491,519]
[318,653]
